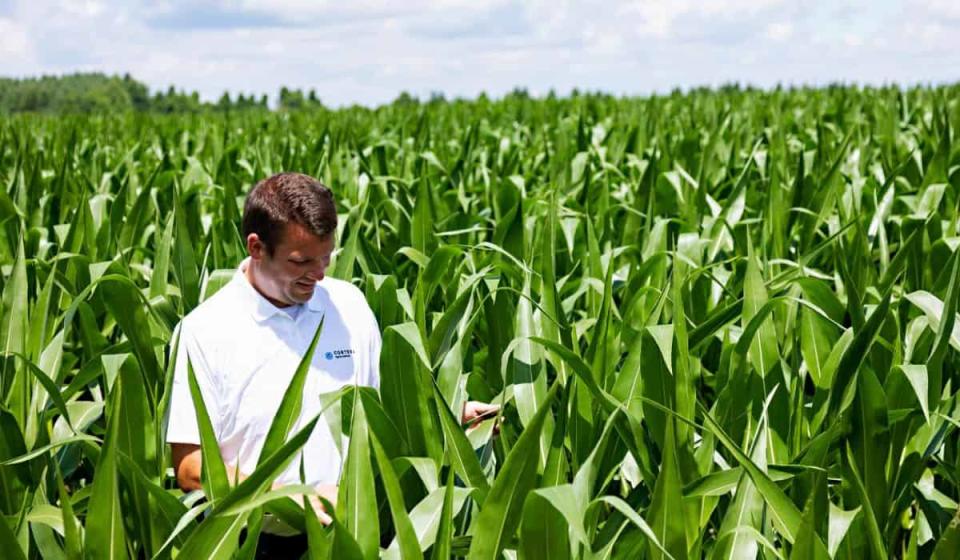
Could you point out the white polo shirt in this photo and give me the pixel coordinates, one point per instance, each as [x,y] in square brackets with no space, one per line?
[245,350]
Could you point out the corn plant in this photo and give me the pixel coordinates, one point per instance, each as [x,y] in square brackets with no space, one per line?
[720,324]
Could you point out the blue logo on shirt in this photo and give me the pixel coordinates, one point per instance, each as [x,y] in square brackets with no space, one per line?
[339,354]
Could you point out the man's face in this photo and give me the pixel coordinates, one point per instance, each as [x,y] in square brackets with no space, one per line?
[298,262]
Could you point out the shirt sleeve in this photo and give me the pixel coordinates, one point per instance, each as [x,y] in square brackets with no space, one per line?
[182,426]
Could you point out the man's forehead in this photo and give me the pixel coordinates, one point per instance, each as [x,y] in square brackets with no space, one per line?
[299,238]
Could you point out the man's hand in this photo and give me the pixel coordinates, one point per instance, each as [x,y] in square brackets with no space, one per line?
[329,492]
[187,461]
[186,465]
[475,412]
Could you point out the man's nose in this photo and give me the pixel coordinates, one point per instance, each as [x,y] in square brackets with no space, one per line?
[318,272]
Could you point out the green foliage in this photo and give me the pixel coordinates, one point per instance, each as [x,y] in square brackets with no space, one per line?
[720,324]
[95,93]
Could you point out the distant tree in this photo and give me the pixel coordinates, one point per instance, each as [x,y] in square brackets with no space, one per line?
[405,99]
[518,93]
[291,100]
[100,98]
[82,92]
[138,92]
[224,103]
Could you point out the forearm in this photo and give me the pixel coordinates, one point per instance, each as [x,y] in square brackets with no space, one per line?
[188,465]
[189,478]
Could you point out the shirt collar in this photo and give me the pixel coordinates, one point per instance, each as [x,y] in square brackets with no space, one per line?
[260,307]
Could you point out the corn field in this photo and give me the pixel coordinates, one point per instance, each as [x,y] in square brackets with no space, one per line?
[721,324]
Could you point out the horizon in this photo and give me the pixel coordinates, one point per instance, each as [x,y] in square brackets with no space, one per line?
[369,52]
[273,98]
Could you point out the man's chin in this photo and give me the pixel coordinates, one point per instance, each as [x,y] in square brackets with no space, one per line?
[297,296]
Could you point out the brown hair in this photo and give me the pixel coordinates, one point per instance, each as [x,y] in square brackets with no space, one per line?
[288,197]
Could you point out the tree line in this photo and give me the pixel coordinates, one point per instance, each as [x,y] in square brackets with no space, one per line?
[97,92]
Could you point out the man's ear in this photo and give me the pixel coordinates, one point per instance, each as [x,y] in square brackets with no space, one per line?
[255,247]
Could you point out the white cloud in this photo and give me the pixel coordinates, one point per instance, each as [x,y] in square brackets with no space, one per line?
[85,8]
[14,42]
[940,8]
[779,31]
[661,18]
[852,40]
[369,50]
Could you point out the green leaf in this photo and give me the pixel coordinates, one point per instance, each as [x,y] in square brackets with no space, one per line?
[164,511]
[426,519]
[71,525]
[916,375]
[563,500]
[37,452]
[216,484]
[217,536]
[816,343]
[405,389]
[421,225]
[764,353]
[666,514]
[286,491]
[746,510]
[944,333]
[288,412]
[184,259]
[318,539]
[411,334]
[581,369]
[124,303]
[948,547]
[932,307]
[13,335]
[357,498]
[105,536]
[870,441]
[48,385]
[840,522]
[854,355]
[161,263]
[635,518]
[874,536]
[785,514]
[406,537]
[523,363]
[809,545]
[444,540]
[460,451]
[500,512]
[9,542]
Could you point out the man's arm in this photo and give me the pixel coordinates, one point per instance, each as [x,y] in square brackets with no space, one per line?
[474,411]
[188,465]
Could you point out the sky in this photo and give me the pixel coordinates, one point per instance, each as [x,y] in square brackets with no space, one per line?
[368,51]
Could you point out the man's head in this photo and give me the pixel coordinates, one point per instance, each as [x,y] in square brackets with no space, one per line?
[289,223]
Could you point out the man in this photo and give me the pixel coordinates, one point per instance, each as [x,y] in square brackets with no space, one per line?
[246,341]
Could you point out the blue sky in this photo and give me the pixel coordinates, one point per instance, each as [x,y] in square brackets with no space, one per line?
[368,51]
